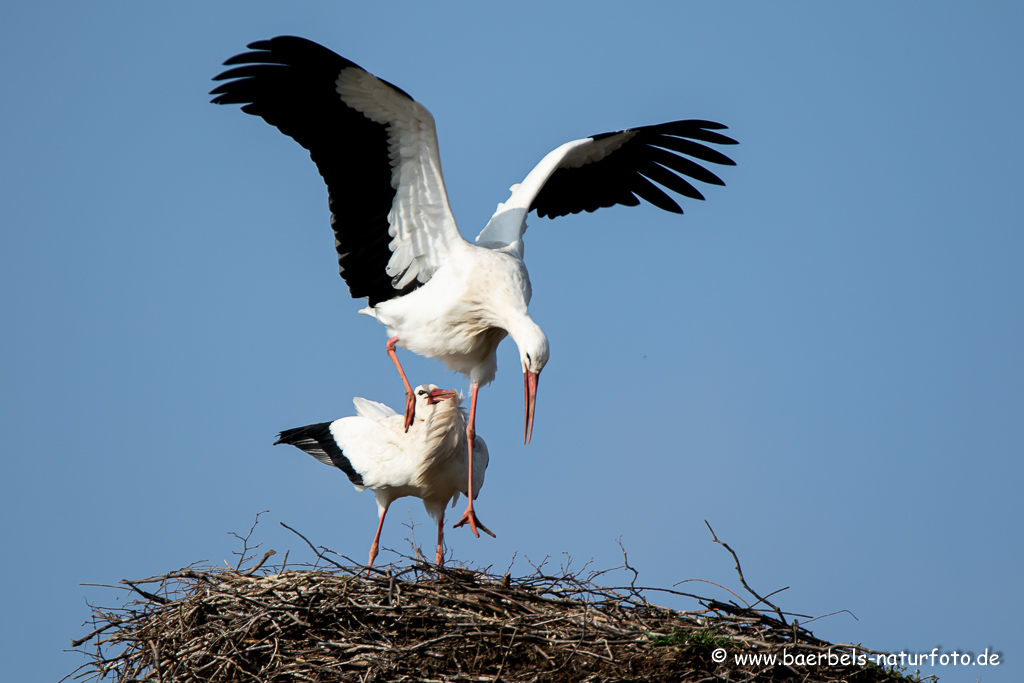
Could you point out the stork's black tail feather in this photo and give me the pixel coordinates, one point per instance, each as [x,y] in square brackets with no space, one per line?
[318,441]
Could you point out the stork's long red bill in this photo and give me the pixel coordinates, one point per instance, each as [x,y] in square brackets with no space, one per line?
[530,389]
[438,395]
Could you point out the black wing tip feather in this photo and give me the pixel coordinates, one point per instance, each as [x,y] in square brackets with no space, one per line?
[278,52]
[289,51]
[268,43]
[653,157]
[318,438]
[694,129]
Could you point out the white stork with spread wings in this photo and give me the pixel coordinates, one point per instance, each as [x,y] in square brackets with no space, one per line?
[397,242]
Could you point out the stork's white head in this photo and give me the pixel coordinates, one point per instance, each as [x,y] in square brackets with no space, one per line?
[428,395]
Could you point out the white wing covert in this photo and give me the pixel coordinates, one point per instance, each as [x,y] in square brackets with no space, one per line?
[374,451]
[372,409]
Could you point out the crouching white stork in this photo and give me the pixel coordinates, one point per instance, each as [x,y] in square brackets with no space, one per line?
[428,460]
[437,294]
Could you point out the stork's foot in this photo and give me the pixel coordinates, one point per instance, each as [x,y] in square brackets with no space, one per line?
[469,516]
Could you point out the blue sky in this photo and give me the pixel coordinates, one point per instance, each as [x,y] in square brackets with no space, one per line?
[823,359]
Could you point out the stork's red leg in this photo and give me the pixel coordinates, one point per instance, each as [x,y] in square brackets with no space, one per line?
[469,515]
[376,538]
[410,397]
[439,557]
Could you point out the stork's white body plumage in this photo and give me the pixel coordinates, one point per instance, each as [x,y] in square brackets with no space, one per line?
[429,460]
[464,311]
[397,242]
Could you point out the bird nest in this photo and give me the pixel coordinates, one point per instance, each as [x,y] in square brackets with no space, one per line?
[424,623]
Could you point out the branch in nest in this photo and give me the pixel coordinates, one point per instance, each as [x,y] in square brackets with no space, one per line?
[743,580]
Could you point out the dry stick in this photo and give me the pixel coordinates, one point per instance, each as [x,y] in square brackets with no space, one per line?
[765,598]
[147,594]
[832,614]
[114,622]
[505,657]
[740,572]
[245,541]
[156,662]
[270,553]
[312,547]
[625,562]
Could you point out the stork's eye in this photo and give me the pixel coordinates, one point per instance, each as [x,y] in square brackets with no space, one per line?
[528,360]
[422,392]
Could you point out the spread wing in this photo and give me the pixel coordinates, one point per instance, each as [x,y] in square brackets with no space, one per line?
[372,409]
[613,168]
[376,148]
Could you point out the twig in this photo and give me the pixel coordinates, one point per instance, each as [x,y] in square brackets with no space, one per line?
[765,598]
[111,624]
[156,661]
[718,585]
[311,546]
[245,541]
[832,614]
[266,556]
[505,657]
[740,572]
[625,562]
[146,594]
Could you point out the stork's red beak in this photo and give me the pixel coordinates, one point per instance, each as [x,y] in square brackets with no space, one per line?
[530,388]
[438,395]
